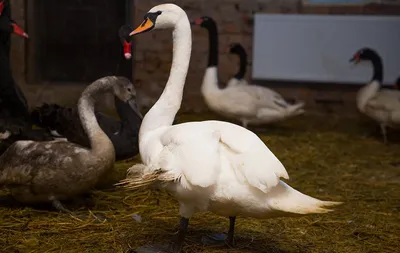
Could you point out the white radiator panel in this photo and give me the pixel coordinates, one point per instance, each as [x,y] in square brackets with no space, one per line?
[317,48]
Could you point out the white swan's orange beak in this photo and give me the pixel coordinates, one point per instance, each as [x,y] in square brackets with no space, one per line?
[145,26]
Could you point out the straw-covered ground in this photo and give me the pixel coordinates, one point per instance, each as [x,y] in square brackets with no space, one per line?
[326,157]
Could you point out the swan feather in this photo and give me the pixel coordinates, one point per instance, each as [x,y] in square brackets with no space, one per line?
[195,159]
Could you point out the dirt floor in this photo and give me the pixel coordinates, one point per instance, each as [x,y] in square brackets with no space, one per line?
[326,157]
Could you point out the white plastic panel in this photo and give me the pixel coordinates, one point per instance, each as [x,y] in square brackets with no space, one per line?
[317,48]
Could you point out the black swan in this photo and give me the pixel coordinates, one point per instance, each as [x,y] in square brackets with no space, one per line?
[15,123]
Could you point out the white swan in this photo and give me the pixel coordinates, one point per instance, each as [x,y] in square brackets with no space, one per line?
[382,105]
[209,165]
[250,104]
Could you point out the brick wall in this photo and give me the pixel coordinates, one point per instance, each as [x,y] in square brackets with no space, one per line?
[153,51]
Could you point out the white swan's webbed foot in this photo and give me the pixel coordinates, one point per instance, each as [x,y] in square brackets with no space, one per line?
[222,238]
[175,246]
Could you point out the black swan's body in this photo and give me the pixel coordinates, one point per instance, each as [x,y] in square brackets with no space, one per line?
[15,122]
[123,134]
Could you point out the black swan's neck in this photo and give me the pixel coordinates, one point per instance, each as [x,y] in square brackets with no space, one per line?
[213,45]
[242,64]
[124,68]
[377,68]
[128,117]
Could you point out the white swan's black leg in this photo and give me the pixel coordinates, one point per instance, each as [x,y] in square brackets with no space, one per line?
[175,246]
[222,237]
[230,239]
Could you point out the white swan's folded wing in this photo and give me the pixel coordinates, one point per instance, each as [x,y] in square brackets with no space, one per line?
[390,92]
[266,97]
[251,159]
[385,101]
[193,154]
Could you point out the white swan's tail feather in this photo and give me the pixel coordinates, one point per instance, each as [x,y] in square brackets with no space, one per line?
[283,111]
[291,202]
[142,176]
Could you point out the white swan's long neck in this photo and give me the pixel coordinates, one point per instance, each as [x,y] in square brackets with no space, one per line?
[164,110]
[99,142]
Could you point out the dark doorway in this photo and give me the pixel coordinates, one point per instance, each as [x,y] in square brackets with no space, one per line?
[74,40]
